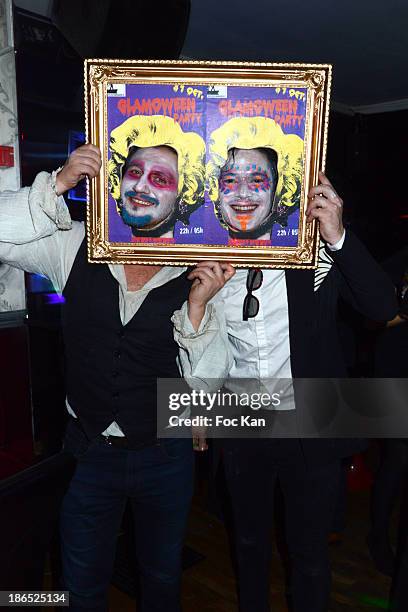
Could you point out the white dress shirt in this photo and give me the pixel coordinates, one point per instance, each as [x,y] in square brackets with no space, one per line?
[259,347]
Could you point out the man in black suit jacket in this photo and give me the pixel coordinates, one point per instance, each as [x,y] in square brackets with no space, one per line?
[290,332]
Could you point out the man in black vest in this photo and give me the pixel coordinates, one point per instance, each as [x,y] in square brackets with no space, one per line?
[118,338]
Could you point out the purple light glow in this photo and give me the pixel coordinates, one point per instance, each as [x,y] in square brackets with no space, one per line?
[54,298]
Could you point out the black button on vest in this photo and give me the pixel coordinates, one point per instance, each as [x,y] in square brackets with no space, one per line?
[111,370]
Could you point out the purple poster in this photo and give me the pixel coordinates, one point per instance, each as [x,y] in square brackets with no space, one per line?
[207,165]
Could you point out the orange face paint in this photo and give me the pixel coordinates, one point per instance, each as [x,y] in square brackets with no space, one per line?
[243,221]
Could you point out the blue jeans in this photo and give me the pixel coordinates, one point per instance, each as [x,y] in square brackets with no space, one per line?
[158,480]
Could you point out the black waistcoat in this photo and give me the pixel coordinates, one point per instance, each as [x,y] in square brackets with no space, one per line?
[111,370]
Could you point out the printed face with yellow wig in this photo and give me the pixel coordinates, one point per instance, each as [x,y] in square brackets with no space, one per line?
[247,186]
[265,185]
[156,174]
[149,187]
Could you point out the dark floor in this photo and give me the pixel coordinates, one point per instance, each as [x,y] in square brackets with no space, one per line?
[209,585]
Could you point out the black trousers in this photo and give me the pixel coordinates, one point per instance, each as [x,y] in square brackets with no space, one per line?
[389,481]
[252,469]
[400,596]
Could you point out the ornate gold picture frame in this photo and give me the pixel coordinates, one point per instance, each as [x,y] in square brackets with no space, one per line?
[205,161]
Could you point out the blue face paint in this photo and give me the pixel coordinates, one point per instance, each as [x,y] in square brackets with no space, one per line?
[142,197]
[137,221]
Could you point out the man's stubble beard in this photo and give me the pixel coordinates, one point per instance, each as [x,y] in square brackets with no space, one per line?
[158,230]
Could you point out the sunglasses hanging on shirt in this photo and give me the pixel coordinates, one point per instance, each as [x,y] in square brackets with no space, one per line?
[251,303]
